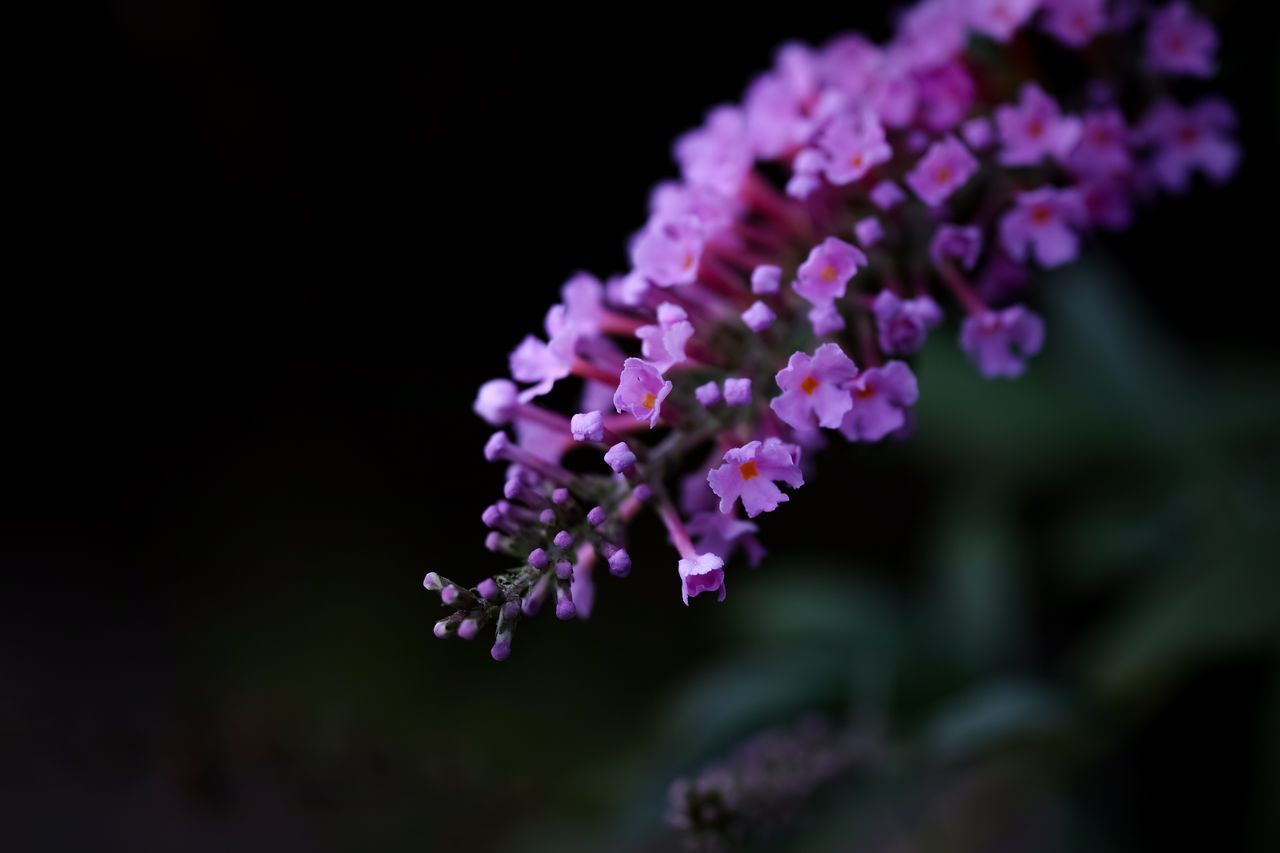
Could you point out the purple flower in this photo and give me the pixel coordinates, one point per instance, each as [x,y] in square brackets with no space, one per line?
[766,278]
[813,388]
[722,534]
[1181,42]
[708,394]
[749,473]
[961,243]
[496,401]
[853,144]
[1034,129]
[1074,22]
[902,325]
[1104,145]
[1042,224]
[946,95]
[587,426]
[737,392]
[663,344]
[978,133]
[1000,342]
[667,250]
[822,278]
[641,390]
[806,173]
[534,361]
[758,317]
[1000,19]
[826,319]
[1191,139]
[944,168]
[619,457]
[869,231]
[701,573]
[881,397]
[717,155]
[1107,204]
[887,195]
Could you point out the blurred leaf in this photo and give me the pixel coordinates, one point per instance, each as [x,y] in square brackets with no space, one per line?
[992,716]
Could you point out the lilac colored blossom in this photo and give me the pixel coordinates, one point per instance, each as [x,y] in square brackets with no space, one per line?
[1181,42]
[869,231]
[667,251]
[1043,223]
[708,393]
[902,325]
[806,173]
[826,319]
[1190,139]
[496,401]
[737,392]
[887,195]
[1000,19]
[534,361]
[1104,147]
[881,398]
[961,243]
[701,573]
[723,534]
[825,274]
[717,155]
[853,145]
[766,278]
[641,390]
[663,344]
[813,388]
[978,133]
[758,317]
[1074,22]
[946,94]
[619,457]
[587,426]
[945,167]
[1035,129]
[749,473]
[1000,342]
[1107,204]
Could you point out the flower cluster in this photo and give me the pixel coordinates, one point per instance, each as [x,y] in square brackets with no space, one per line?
[820,231]
[765,785]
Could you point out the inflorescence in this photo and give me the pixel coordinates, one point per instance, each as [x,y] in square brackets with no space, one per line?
[819,232]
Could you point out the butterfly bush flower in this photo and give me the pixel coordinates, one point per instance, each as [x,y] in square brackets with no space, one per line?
[943,155]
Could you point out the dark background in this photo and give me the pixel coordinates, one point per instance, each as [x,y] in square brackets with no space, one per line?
[268,257]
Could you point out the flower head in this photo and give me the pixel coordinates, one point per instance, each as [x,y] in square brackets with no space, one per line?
[749,472]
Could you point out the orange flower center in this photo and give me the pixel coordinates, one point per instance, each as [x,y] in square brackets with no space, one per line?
[828,273]
[809,385]
[748,470]
[1041,215]
[649,400]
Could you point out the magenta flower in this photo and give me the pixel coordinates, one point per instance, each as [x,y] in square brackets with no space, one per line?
[1042,224]
[881,398]
[945,167]
[902,325]
[869,231]
[749,473]
[960,243]
[1000,19]
[887,195]
[978,133]
[717,155]
[737,392]
[701,573]
[708,393]
[663,344]
[496,401]
[667,251]
[853,144]
[766,278]
[619,457]
[1074,22]
[813,388]
[1191,139]
[641,390]
[1104,147]
[1000,342]
[1181,42]
[758,317]
[536,362]
[1034,129]
[823,277]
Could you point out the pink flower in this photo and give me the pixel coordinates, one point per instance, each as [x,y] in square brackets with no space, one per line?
[1000,342]
[1034,129]
[534,361]
[1191,139]
[1042,224]
[881,397]
[758,317]
[823,277]
[1000,19]
[945,167]
[749,473]
[869,231]
[717,155]
[667,250]
[961,243]
[701,573]
[496,401]
[1104,145]
[766,278]
[1074,22]
[1181,42]
[663,344]
[887,195]
[853,143]
[641,391]
[902,325]
[813,388]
